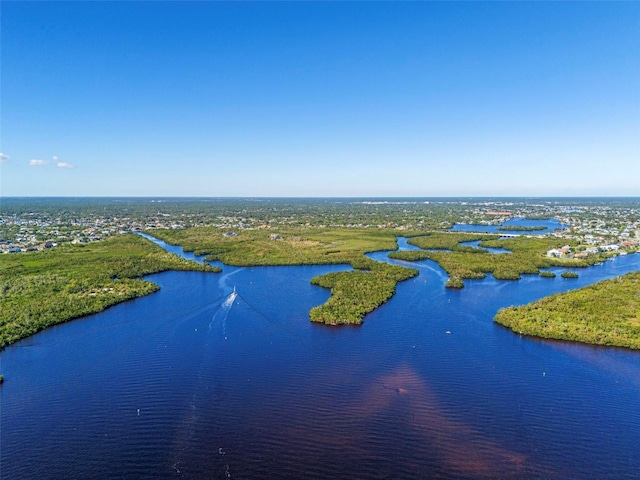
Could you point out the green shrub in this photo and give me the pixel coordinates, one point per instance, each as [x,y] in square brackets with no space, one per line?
[606,313]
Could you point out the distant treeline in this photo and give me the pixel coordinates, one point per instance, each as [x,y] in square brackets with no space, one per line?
[191,212]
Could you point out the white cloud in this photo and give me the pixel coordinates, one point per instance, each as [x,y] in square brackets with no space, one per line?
[37,163]
[3,157]
[55,158]
[64,164]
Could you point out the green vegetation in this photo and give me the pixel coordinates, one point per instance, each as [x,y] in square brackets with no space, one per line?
[62,219]
[527,255]
[283,246]
[521,228]
[454,283]
[569,275]
[353,293]
[40,289]
[263,231]
[450,241]
[547,274]
[358,292]
[606,313]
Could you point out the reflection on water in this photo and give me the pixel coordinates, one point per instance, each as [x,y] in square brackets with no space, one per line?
[459,449]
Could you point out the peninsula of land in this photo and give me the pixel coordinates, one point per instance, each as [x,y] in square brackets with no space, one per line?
[606,313]
[354,293]
[66,258]
[43,288]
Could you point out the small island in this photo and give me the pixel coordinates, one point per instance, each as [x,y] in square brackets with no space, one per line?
[354,293]
[66,258]
[606,313]
[569,275]
[528,256]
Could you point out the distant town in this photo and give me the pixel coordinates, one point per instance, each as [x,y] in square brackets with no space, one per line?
[596,225]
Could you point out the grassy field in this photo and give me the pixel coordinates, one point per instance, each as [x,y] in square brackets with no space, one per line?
[606,313]
[40,289]
[292,246]
[353,293]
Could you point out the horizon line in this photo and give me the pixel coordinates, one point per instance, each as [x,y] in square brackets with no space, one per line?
[246,197]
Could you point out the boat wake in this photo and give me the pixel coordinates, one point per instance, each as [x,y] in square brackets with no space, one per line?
[230,299]
[224,312]
[196,416]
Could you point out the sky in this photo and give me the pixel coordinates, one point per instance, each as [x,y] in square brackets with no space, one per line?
[319,99]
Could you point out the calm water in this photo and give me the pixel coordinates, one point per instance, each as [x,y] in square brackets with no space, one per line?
[549,226]
[193,383]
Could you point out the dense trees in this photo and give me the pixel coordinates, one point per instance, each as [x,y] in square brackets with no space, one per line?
[229,212]
[528,255]
[358,292]
[353,293]
[39,289]
[606,313]
[569,275]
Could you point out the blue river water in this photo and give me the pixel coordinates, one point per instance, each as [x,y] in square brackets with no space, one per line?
[549,226]
[200,382]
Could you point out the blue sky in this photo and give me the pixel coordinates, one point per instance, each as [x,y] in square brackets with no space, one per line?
[320,99]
